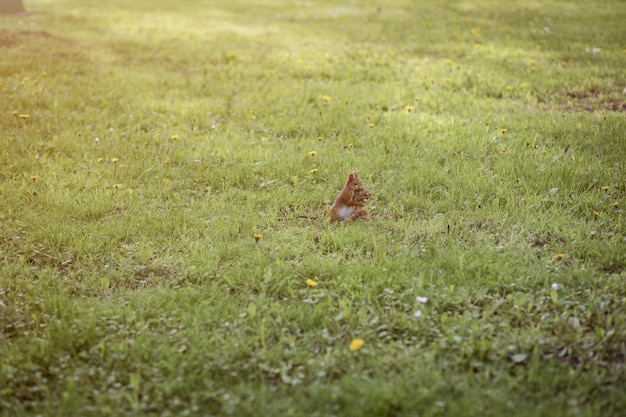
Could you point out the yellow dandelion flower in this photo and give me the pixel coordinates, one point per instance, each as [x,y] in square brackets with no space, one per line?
[264,139]
[448,61]
[79,133]
[24,116]
[115,160]
[312,153]
[503,130]
[166,161]
[34,177]
[356,344]
[447,80]
[523,85]
[349,145]
[314,171]
[100,159]
[559,256]
[320,138]
[35,81]
[371,125]
[605,188]
[311,283]
[174,137]
[616,204]
[257,236]
[253,117]
[326,99]
[14,112]
[409,108]
[508,87]
[596,213]
[117,186]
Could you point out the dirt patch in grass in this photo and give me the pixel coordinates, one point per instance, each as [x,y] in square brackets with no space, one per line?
[540,241]
[11,37]
[591,100]
[612,268]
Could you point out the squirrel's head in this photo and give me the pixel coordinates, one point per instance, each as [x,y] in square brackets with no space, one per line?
[354,182]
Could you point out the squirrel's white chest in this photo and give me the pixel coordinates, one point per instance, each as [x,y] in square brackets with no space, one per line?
[345,212]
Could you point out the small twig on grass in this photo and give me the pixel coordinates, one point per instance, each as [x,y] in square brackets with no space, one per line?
[146,171]
[45,254]
[555,159]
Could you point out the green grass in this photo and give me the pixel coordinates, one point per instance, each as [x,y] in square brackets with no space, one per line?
[492,135]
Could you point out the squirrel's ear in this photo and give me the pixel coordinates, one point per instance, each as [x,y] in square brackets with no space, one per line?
[351,177]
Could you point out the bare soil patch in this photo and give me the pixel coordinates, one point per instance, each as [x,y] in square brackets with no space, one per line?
[592,100]
[11,37]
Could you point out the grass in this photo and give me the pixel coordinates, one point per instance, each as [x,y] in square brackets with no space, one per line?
[143,147]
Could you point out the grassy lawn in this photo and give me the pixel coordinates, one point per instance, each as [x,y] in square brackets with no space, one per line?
[166,170]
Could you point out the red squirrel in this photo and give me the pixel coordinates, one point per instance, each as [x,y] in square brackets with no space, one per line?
[349,204]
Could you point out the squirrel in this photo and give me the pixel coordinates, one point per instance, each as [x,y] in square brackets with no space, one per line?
[350,202]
